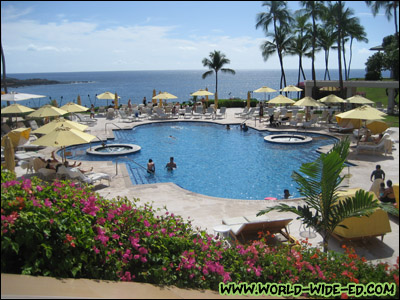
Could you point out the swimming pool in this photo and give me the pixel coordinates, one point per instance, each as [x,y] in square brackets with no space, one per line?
[212,160]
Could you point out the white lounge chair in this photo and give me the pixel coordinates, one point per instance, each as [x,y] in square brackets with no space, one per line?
[125,118]
[188,113]
[222,113]
[209,113]
[244,111]
[249,113]
[89,178]
[384,145]
[84,119]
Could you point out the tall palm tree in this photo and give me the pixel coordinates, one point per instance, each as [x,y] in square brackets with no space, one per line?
[355,31]
[388,6]
[281,43]
[313,9]
[319,186]
[279,16]
[325,40]
[300,43]
[3,62]
[215,64]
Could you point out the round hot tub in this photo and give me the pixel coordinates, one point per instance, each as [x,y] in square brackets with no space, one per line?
[288,139]
[113,149]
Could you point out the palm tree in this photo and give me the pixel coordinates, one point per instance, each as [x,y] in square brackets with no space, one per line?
[281,43]
[215,63]
[313,9]
[319,186]
[279,16]
[325,40]
[3,62]
[300,43]
[388,6]
[355,31]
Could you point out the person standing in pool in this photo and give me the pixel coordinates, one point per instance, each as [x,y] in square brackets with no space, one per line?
[151,168]
[171,165]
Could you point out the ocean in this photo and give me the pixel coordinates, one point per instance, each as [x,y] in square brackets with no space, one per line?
[135,85]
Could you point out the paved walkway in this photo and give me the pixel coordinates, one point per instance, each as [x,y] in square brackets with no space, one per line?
[206,212]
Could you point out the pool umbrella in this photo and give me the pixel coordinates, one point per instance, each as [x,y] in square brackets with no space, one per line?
[154,94]
[78,101]
[64,136]
[17,136]
[377,126]
[116,101]
[9,155]
[13,96]
[106,96]
[47,111]
[16,109]
[332,99]
[280,99]
[49,127]
[308,101]
[164,95]
[73,107]
[291,88]
[202,93]
[264,90]
[357,99]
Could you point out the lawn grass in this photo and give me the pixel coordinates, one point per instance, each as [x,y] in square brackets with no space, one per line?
[376,94]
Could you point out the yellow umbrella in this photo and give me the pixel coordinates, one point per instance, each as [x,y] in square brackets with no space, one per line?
[291,88]
[377,127]
[164,95]
[202,93]
[248,100]
[116,101]
[16,109]
[357,99]
[45,129]
[17,136]
[64,136]
[154,94]
[264,90]
[78,101]
[73,107]
[48,111]
[308,101]
[280,99]
[9,155]
[332,99]
[364,112]
[106,96]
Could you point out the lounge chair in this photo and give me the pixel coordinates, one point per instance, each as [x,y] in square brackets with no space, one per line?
[33,124]
[384,145]
[249,113]
[75,173]
[188,113]
[244,111]
[209,113]
[245,228]
[347,128]
[101,112]
[198,113]
[47,174]
[125,117]
[308,124]
[377,224]
[222,113]
[85,119]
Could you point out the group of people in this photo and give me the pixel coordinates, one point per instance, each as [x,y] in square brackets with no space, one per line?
[54,164]
[385,194]
[151,167]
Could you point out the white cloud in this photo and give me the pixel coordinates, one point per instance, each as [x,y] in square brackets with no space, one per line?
[10,12]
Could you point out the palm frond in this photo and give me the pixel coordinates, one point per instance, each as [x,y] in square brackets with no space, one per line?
[206,74]
[230,71]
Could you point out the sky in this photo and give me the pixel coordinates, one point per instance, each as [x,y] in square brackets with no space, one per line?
[78,36]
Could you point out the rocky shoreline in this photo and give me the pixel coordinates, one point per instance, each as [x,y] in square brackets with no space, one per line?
[13,82]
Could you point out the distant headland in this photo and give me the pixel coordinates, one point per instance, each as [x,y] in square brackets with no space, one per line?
[13,82]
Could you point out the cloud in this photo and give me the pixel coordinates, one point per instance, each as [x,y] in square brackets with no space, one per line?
[10,12]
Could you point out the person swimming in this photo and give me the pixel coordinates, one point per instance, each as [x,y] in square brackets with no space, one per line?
[171,165]
[151,168]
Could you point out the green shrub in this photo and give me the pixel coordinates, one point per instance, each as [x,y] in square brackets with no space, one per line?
[62,230]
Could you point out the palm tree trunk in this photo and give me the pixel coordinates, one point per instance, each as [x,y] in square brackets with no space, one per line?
[344,60]
[340,52]
[313,58]
[298,74]
[216,81]
[395,21]
[282,69]
[327,63]
[3,61]
[351,56]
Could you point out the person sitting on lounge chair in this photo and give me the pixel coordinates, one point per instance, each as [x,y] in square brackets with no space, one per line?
[388,194]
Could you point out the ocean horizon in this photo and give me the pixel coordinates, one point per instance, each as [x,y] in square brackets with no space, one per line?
[135,85]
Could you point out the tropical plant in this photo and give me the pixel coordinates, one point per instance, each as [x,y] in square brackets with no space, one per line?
[319,186]
[313,9]
[278,15]
[355,31]
[388,6]
[215,64]
[391,56]
[374,67]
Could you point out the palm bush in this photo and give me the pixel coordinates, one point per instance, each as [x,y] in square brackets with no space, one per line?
[319,186]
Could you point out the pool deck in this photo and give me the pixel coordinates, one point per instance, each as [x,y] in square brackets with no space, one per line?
[207,212]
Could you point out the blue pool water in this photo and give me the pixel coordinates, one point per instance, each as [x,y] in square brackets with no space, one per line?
[212,160]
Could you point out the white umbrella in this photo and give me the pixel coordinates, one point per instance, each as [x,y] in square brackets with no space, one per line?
[14,96]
